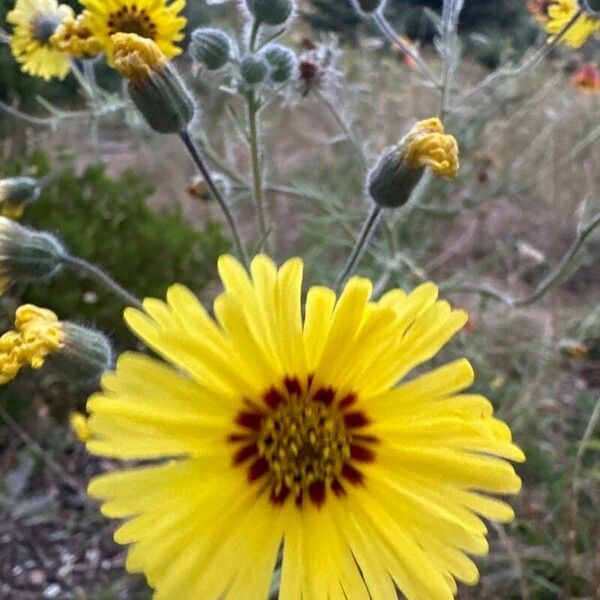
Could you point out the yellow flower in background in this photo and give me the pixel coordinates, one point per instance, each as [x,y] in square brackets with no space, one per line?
[560,13]
[288,432]
[157,20]
[75,38]
[79,426]
[35,22]
[37,334]
[428,145]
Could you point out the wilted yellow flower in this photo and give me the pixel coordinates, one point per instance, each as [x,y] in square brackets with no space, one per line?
[157,20]
[136,57]
[560,13]
[427,145]
[37,333]
[586,78]
[79,426]
[35,22]
[290,432]
[74,37]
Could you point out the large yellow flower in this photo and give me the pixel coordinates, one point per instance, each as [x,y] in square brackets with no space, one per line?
[154,19]
[35,22]
[290,434]
[560,14]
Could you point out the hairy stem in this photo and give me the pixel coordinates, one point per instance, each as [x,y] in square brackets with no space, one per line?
[84,267]
[196,155]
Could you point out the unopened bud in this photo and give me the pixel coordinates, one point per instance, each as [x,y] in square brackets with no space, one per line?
[368,7]
[16,193]
[399,169]
[154,85]
[85,355]
[211,47]
[254,70]
[271,12]
[198,188]
[27,255]
[282,62]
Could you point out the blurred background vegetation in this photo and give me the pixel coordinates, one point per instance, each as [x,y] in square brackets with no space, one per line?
[530,156]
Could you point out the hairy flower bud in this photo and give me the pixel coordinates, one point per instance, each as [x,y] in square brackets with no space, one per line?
[154,85]
[399,169]
[368,7]
[211,47]
[27,255]
[16,193]
[254,69]
[271,12]
[282,62]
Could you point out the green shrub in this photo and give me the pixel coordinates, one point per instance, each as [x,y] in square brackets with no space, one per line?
[107,221]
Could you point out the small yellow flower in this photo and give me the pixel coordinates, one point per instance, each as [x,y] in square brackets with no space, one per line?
[157,20]
[427,145]
[37,333]
[560,13]
[79,426]
[296,433]
[74,37]
[35,22]
[136,58]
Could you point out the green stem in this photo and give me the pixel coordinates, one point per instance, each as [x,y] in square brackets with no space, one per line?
[196,155]
[257,176]
[361,245]
[254,35]
[86,268]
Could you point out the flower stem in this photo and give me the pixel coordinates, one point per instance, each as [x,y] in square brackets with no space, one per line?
[196,155]
[86,268]
[254,35]
[257,175]
[361,245]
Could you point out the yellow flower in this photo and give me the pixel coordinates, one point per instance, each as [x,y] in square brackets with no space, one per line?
[284,432]
[136,57]
[154,19]
[560,13]
[75,38]
[37,333]
[35,21]
[427,145]
[79,426]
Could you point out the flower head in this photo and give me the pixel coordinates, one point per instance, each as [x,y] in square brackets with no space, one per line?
[74,37]
[157,20]
[35,22]
[37,333]
[16,193]
[136,57]
[561,13]
[290,431]
[586,78]
[27,255]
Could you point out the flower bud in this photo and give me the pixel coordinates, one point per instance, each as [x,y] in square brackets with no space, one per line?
[282,62]
[399,169]
[154,85]
[368,7]
[254,69]
[27,255]
[85,355]
[271,12]
[199,189]
[211,47]
[78,353]
[16,193]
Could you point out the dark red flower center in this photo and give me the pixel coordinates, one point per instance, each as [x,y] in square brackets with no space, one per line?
[302,442]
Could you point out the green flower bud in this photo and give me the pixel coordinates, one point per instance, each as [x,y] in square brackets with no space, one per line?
[153,83]
[211,47]
[271,12]
[85,354]
[16,193]
[282,61]
[368,7]
[27,255]
[254,69]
